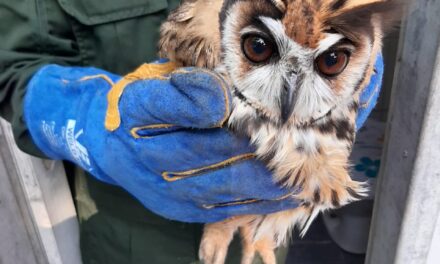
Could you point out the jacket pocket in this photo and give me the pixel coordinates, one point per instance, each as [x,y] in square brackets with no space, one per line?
[90,12]
[116,35]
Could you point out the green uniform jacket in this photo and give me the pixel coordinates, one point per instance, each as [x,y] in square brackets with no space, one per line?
[118,36]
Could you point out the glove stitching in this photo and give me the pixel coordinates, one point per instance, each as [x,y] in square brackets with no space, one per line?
[144,72]
[247,201]
[134,131]
[176,176]
[102,76]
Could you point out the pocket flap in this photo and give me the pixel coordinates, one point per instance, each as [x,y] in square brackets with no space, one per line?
[90,12]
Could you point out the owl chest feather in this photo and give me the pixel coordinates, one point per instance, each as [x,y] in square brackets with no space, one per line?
[313,159]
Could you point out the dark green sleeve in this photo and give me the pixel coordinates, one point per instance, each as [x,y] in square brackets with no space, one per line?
[116,36]
[33,33]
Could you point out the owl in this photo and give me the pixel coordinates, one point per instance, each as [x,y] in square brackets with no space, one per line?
[296,69]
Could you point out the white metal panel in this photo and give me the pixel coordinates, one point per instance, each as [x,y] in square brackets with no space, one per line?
[44,199]
[408,197]
[434,251]
[15,245]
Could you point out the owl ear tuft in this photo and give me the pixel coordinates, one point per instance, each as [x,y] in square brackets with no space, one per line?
[352,17]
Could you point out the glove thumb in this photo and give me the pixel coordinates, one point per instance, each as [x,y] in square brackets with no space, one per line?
[186,98]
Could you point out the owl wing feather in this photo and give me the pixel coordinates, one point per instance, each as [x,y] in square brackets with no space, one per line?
[191,34]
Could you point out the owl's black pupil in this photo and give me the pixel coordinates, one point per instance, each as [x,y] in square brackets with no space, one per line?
[259,46]
[331,59]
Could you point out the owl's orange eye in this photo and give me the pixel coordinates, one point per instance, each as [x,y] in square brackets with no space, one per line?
[257,49]
[332,63]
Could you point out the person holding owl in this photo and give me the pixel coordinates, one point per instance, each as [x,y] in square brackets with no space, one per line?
[117,37]
[136,142]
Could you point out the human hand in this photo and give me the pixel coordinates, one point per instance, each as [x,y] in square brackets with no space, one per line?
[156,133]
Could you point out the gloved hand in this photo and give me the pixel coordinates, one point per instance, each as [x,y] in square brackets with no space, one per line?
[370,94]
[160,139]
[155,133]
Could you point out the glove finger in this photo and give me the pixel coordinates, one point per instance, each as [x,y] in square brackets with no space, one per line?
[214,162]
[190,149]
[243,188]
[189,98]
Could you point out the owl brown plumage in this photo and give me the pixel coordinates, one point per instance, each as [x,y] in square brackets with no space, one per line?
[296,68]
[191,34]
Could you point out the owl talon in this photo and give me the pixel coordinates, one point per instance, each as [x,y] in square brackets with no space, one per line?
[266,252]
[215,242]
[264,247]
[211,252]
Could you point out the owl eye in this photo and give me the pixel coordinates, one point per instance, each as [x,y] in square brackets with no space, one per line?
[332,63]
[257,49]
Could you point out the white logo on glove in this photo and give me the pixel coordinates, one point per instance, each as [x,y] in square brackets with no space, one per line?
[78,151]
[48,130]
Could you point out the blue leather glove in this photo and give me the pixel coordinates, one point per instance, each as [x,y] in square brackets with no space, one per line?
[155,133]
[370,94]
[160,139]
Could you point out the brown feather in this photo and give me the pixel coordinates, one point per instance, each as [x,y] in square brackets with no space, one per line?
[356,16]
[191,35]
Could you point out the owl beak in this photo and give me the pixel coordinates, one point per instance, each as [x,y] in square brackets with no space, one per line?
[288,97]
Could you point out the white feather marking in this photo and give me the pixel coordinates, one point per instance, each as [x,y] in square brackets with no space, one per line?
[250,29]
[327,43]
[309,222]
[279,4]
[317,98]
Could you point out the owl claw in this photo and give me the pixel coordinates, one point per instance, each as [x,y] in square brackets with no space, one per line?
[215,242]
[213,252]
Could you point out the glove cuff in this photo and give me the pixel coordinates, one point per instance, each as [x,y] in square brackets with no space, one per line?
[40,130]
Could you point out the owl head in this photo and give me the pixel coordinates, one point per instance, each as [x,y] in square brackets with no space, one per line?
[297,60]
[291,61]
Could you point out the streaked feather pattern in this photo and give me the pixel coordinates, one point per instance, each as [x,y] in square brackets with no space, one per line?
[191,34]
